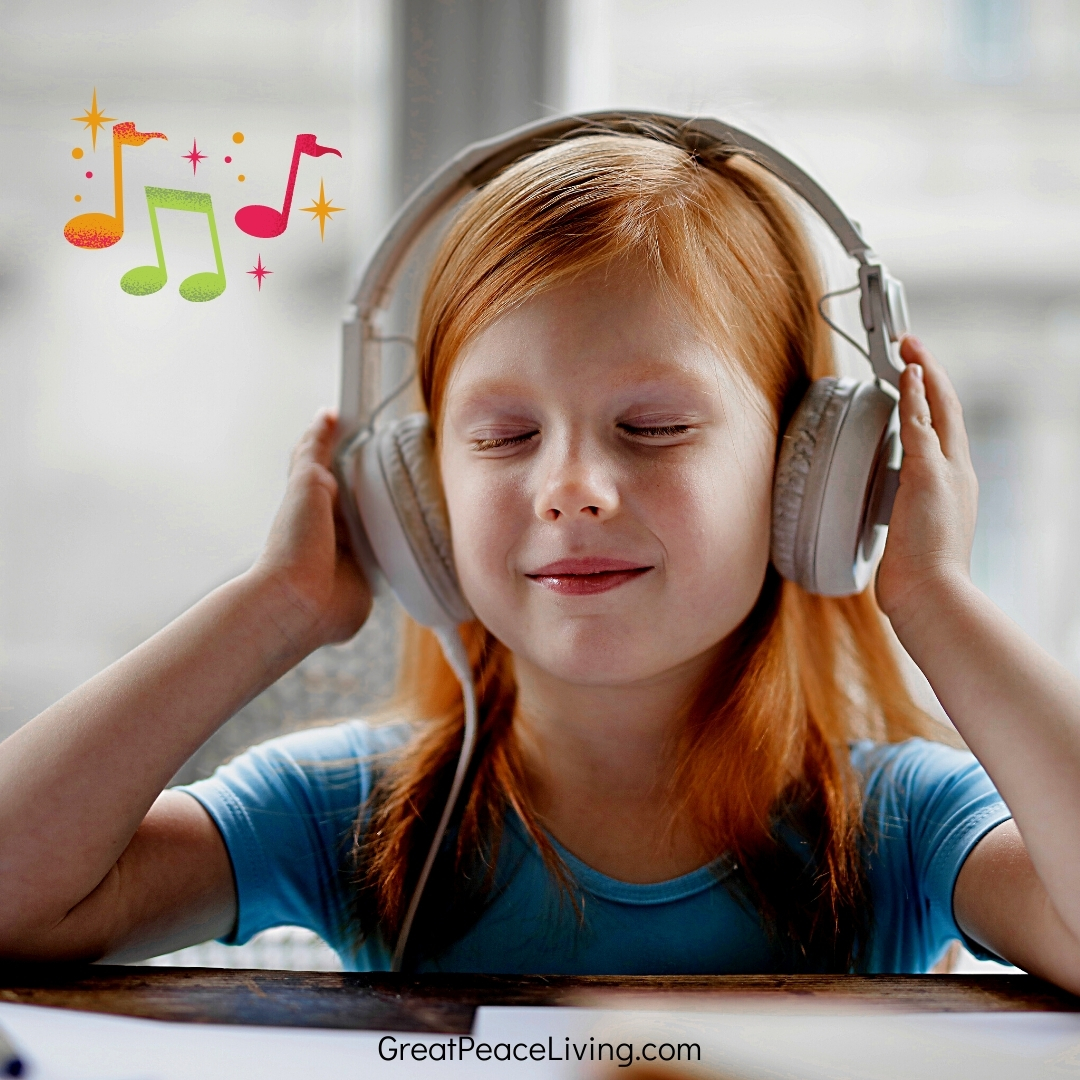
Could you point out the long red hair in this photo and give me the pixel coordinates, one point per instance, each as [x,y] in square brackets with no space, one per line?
[765,747]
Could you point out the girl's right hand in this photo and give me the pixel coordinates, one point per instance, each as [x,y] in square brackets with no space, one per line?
[307,554]
[143,872]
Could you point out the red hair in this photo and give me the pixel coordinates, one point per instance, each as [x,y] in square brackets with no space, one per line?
[765,746]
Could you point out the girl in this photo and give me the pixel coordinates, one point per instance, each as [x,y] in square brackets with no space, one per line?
[684,763]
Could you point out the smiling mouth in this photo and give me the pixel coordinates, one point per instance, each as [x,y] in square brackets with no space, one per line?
[586,577]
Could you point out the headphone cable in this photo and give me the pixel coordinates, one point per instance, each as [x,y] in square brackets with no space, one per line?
[821,311]
[454,650]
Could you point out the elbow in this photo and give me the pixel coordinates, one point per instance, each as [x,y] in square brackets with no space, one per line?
[33,933]
[31,941]
[1058,964]
[1062,972]
[33,946]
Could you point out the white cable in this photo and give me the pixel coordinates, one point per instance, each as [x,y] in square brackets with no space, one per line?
[454,650]
[821,311]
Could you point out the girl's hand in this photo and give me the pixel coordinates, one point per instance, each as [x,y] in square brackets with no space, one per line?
[933,518]
[307,553]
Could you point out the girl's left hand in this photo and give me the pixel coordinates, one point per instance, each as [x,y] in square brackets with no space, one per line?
[933,518]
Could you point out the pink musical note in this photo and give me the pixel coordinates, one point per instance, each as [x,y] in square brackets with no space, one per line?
[265,221]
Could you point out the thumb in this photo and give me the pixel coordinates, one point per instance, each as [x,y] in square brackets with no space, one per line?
[316,445]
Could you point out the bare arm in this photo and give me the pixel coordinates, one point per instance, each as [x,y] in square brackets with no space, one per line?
[87,868]
[1001,903]
[171,887]
[1016,708]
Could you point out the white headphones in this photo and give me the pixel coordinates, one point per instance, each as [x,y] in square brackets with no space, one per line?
[835,479]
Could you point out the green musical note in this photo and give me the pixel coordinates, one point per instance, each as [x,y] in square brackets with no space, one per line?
[144,280]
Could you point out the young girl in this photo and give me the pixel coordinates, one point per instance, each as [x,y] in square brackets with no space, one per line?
[684,763]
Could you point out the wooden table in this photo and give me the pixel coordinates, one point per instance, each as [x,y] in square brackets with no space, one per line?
[447,1003]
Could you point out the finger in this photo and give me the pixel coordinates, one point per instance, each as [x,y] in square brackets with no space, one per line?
[945,409]
[317,443]
[917,432]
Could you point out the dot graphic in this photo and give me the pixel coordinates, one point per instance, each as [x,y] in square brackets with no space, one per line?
[228,160]
[89,176]
[238,137]
[77,153]
[241,178]
[78,198]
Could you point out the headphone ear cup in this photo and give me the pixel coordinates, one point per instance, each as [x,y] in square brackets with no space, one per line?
[831,457]
[396,486]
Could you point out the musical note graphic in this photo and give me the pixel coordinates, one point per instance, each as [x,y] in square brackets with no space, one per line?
[92,231]
[144,280]
[265,221]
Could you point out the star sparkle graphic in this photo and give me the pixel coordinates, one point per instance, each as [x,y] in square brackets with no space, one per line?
[259,272]
[93,118]
[194,156]
[322,210]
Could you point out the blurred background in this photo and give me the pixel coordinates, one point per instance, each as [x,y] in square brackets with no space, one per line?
[144,440]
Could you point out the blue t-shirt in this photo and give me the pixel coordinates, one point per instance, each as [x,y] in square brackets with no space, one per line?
[286,811]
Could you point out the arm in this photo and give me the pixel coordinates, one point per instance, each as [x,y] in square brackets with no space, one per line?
[88,868]
[1001,902]
[1018,710]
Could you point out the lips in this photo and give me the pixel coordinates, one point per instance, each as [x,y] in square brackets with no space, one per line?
[587,575]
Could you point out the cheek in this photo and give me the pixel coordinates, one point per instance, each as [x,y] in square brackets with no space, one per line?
[487,514]
[717,537]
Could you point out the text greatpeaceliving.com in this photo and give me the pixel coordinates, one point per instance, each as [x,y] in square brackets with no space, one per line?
[465,1048]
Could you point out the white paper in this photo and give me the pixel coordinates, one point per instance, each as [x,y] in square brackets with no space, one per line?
[66,1045]
[755,1046]
[61,1044]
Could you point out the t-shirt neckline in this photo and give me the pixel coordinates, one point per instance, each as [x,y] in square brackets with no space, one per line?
[628,892]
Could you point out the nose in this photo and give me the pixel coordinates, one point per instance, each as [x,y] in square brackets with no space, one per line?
[577,481]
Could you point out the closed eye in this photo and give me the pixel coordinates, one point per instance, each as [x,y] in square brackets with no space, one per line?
[666,431]
[504,442]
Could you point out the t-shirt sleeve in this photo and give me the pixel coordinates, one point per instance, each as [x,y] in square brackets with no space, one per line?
[926,807]
[286,811]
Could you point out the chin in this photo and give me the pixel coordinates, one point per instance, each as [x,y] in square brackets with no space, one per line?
[600,657]
[573,671]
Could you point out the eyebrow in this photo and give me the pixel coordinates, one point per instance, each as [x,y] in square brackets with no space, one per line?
[657,381]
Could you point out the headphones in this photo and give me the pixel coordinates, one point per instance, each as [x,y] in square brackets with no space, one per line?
[836,474]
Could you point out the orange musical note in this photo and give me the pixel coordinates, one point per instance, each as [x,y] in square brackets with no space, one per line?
[94,230]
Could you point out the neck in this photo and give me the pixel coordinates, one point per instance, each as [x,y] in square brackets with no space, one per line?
[602,741]
[599,763]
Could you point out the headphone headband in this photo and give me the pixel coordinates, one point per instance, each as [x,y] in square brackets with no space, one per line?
[883,307]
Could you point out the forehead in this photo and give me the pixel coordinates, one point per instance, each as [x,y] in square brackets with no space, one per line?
[602,332]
